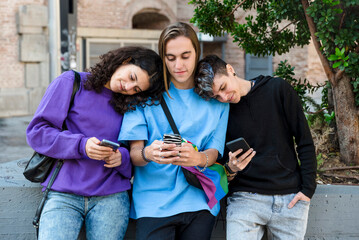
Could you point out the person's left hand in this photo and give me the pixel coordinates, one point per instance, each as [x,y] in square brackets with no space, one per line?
[238,164]
[188,156]
[297,197]
[114,160]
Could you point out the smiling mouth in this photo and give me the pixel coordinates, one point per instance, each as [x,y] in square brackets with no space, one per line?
[231,98]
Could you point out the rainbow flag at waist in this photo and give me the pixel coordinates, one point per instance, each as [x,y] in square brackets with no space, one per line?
[214,182]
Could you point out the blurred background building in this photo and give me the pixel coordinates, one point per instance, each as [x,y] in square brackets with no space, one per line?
[39,39]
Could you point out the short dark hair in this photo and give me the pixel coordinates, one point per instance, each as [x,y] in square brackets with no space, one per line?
[147,59]
[207,69]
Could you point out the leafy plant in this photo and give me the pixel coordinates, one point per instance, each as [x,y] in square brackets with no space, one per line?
[302,87]
[340,58]
[329,117]
[273,27]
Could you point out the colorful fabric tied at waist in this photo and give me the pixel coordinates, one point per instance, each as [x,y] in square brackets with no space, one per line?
[213,180]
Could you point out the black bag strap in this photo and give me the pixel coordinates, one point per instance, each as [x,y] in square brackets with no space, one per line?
[75,88]
[59,164]
[169,116]
[36,219]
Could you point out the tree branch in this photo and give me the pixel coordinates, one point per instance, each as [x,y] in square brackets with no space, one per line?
[339,75]
[339,168]
[287,26]
[321,110]
[327,69]
[235,9]
[340,176]
[341,20]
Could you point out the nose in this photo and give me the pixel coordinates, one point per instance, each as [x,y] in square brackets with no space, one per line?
[128,87]
[178,63]
[223,97]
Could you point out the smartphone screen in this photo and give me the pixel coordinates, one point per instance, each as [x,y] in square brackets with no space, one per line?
[239,143]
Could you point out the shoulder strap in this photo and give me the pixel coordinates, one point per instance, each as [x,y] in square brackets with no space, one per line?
[76,87]
[169,116]
[59,164]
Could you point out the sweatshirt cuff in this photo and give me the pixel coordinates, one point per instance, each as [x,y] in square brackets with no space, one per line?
[125,168]
[82,149]
[308,192]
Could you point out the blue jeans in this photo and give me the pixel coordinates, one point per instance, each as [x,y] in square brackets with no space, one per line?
[249,213]
[105,217]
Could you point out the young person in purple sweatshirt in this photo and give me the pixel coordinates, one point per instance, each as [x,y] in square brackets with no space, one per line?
[92,185]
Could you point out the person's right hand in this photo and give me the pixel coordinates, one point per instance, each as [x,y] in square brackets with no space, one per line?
[95,151]
[160,152]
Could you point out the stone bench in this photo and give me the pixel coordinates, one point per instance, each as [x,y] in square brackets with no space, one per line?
[334,212]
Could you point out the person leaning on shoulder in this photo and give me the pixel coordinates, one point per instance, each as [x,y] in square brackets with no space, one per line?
[91,187]
[274,190]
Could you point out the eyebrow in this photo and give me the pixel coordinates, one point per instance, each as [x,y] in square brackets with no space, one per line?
[169,54]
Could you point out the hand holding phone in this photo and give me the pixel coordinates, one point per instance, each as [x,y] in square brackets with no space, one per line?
[110,144]
[239,143]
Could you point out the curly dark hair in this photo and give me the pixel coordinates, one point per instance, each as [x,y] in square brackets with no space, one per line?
[146,59]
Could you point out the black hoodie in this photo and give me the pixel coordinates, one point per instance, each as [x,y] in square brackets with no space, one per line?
[271,119]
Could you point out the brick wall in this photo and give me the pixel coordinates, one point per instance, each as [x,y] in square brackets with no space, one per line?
[11,70]
[119,14]
[112,14]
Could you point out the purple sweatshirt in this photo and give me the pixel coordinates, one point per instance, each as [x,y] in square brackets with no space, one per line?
[90,116]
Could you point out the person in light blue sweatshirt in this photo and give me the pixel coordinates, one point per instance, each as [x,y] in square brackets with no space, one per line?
[91,187]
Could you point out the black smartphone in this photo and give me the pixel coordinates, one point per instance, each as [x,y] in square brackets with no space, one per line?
[110,144]
[236,144]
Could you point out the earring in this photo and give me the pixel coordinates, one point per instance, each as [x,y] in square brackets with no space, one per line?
[234,74]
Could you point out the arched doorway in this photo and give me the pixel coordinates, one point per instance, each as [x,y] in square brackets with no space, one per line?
[149,20]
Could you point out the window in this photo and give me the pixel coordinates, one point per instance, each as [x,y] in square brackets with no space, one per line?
[256,66]
[94,47]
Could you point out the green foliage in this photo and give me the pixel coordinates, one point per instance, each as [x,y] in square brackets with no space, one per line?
[320,160]
[279,25]
[329,118]
[340,59]
[302,87]
[286,71]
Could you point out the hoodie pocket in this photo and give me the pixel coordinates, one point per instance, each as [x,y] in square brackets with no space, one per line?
[267,172]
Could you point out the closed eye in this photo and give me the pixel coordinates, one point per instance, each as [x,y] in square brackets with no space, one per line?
[137,90]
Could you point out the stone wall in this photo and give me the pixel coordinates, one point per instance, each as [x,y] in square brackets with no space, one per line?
[24,70]
[333,211]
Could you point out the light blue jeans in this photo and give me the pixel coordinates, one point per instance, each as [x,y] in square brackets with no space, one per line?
[249,213]
[105,217]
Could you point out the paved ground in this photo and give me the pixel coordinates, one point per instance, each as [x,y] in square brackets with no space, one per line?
[13,145]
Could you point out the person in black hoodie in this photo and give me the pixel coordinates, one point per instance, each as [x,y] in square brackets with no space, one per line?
[273,191]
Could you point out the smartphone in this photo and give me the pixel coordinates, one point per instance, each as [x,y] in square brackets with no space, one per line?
[110,144]
[236,144]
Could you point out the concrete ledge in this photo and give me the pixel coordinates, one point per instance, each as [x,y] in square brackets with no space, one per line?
[334,212]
